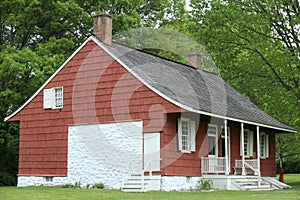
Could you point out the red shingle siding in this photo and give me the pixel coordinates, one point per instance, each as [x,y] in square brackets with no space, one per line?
[268,166]
[183,164]
[96,89]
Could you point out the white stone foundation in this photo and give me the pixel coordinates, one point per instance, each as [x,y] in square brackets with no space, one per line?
[97,153]
[177,183]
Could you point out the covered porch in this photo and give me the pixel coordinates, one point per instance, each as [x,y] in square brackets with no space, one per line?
[245,165]
[240,171]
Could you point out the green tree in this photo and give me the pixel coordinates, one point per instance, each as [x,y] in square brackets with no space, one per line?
[33,43]
[27,23]
[21,73]
[255,45]
[36,36]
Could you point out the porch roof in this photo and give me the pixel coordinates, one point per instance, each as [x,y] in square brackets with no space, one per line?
[192,89]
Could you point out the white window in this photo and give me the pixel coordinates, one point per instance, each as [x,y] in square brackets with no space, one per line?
[53,98]
[248,144]
[212,133]
[186,135]
[48,179]
[58,97]
[264,145]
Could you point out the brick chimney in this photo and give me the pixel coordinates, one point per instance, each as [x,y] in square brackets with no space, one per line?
[194,60]
[103,28]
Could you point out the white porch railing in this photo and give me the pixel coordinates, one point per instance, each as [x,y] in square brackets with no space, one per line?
[249,164]
[213,165]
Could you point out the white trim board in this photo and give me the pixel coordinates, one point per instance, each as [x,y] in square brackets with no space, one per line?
[49,79]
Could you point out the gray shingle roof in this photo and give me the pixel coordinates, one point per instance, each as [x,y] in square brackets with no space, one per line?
[192,88]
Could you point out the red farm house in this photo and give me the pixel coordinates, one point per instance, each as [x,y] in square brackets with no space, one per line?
[139,122]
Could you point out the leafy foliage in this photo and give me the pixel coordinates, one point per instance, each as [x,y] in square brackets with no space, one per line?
[36,37]
[255,45]
[205,184]
[99,186]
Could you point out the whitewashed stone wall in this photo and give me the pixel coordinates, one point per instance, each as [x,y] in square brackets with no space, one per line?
[98,153]
[177,183]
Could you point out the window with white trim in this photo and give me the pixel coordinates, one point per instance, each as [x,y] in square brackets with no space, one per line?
[248,143]
[212,132]
[264,145]
[58,97]
[53,98]
[186,135]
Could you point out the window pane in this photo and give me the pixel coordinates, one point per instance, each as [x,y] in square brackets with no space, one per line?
[212,135]
[211,145]
[185,135]
[246,143]
[212,130]
[262,146]
[58,97]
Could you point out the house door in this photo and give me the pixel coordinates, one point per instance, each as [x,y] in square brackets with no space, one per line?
[212,148]
[228,144]
[152,151]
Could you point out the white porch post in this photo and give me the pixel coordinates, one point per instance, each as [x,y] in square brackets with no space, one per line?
[226,148]
[243,151]
[258,153]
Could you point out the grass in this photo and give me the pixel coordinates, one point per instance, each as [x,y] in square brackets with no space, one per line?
[50,193]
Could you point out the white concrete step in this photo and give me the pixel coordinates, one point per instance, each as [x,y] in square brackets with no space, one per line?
[252,184]
[136,184]
[256,187]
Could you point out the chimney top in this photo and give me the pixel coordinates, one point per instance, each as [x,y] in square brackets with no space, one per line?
[103,28]
[194,60]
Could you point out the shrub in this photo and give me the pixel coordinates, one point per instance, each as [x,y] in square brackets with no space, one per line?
[68,185]
[99,185]
[77,184]
[205,184]
[7,179]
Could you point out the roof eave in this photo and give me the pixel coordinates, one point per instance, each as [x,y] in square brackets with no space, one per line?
[49,79]
[145,83]
[184,106]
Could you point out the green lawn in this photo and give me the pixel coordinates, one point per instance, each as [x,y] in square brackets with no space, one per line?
[51,193]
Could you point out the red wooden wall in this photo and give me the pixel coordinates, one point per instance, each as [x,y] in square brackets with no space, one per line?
[175,163]
[98,89]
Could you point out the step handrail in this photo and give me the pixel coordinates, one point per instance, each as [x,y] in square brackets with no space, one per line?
[238,164]
[141,170]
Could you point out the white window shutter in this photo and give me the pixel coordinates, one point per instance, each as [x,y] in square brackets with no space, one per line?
[267,145]
[193,136]
[250,138]
[179,134]
[48,98]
